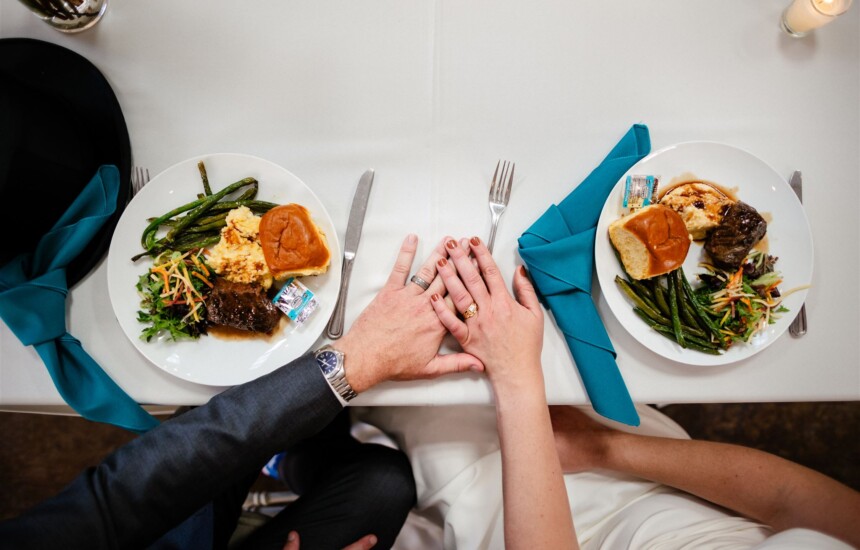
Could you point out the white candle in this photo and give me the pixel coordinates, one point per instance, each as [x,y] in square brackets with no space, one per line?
[804,15]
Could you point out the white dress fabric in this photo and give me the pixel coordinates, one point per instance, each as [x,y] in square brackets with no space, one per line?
[455,457]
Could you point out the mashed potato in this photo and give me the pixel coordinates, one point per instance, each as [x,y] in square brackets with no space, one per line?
[700,205]
[238,256]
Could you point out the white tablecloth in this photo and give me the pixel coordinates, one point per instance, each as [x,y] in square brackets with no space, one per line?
[431,94]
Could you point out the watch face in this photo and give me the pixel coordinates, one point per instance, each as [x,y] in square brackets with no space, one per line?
[327,361]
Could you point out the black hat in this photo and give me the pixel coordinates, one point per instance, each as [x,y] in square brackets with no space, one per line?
[59,121]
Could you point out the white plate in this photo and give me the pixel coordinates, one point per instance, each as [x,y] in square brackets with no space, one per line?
[754,183]
[212,360]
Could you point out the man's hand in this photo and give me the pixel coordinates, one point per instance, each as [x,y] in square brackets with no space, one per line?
[397,337]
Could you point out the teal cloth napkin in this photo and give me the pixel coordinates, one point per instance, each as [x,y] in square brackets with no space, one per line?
[559,252]
[33,304]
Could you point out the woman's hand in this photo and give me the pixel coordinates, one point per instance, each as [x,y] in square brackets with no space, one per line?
[506,334]
[397,337]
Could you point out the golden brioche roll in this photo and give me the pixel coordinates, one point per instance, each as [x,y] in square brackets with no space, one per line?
[651,241]
[293,245]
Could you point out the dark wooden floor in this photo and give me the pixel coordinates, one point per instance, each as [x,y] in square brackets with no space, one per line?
[41,454]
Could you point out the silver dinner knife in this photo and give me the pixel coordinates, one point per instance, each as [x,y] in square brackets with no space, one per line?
[334,330]
[798,326]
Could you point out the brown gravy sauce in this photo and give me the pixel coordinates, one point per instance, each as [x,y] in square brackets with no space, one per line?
[689,177]
[229,333]
[764,244]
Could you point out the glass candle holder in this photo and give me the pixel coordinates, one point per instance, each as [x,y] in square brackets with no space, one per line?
[803,16]
[68,15]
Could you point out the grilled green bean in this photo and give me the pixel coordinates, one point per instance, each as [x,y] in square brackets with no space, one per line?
[660,297]
[701,314]
[640,303]
[202,168]
[673,306]
[692,342]
[207,203]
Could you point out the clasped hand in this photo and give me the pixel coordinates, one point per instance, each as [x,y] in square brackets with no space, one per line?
[398,336]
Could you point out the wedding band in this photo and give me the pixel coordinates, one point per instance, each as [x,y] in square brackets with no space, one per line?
[470,311]
[420,282]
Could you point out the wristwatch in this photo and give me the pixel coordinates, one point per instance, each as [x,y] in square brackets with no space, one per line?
[330,362]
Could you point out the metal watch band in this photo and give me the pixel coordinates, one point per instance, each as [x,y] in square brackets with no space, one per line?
[336,377]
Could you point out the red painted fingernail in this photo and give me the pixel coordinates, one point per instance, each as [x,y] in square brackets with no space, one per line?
[523,271]
[475,241]
[452,244]
[442,262]
[435,297]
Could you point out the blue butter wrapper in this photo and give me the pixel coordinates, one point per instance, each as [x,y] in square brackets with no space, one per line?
[296,301]
[639,191]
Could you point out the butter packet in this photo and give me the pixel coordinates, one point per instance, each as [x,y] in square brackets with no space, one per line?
[639,191]
[296,301]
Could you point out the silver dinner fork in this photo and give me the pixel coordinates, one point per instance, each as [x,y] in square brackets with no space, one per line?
[500,193]
[139,178]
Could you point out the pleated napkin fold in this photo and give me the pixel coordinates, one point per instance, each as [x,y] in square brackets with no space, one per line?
[33,293]
[559,252]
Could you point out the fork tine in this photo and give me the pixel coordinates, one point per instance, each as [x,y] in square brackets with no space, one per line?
[139,178]
[500,187]
[495,179]
[509,184]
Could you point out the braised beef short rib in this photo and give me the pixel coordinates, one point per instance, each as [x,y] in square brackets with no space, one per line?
[730,242]
[243,306]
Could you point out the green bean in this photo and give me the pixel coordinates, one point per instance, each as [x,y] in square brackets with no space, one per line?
[201,242]
[641,289]
[202,168]
[703,316]
[156,222]
[255,206]
[673,306]
[684,307]
[692,342]
[204,228]
[205,205]
[660,297]
[220,210]
[640,303]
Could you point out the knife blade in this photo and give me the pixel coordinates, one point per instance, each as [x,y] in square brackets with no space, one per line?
[798,325]
[334,330]
[796,183]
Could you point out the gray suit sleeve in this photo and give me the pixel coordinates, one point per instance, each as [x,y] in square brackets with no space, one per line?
[154,482]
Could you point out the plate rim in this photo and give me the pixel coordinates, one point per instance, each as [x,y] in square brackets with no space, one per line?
[334,271]
[704,360]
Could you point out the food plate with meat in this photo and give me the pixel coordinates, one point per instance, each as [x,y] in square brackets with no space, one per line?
[245,335]
[726,230]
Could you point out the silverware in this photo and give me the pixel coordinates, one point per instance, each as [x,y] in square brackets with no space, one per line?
[334,330]
[139,178]
[798,326]
[500,193]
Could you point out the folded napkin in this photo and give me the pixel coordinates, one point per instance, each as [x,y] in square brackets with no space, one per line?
[559,252]
[33,304]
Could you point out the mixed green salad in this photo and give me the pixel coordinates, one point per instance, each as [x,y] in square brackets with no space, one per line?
[173,295]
